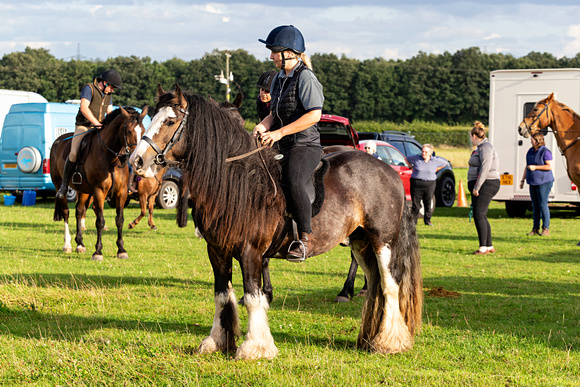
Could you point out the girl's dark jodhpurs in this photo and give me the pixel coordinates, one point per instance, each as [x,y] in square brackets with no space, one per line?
[297,166]
[480,206]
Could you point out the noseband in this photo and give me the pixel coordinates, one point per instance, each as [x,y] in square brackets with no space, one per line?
[537,119]
[160,157]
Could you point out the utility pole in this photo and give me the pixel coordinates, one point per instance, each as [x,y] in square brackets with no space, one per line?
[229,77]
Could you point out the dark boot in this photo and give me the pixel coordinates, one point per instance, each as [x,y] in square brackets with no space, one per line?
[300,249]
[534,231]
[69,168]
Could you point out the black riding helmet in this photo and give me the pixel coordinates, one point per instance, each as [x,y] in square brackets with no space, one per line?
[265,81]
[284,38]
[112,77]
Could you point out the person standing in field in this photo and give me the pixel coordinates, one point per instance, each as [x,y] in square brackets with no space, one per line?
[483,184]
[539,176]
[424,181]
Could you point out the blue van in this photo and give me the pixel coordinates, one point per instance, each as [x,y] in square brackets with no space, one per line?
[27,135]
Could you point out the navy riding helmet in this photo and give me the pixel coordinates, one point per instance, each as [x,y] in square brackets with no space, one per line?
[285,38]
[112,77]
[265,81]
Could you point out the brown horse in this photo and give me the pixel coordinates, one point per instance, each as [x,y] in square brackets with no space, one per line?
[147,190]
[239,207]
[565,124]
[103,171]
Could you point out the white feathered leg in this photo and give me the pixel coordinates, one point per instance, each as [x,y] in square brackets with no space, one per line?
[259,341]
[218,338]
[67,248]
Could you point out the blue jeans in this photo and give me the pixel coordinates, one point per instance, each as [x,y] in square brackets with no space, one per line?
[539,195]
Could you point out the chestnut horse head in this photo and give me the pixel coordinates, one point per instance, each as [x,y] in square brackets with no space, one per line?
[564,123]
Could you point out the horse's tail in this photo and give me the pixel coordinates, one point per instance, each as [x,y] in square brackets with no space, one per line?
[182,203]
[388,326]
[59,206]
[411,286]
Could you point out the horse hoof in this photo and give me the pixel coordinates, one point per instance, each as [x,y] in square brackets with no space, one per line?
[97,257]
[131,225]
[105,228]
[341,299]
[362,293]
[123,256]
[67,249]
[154,228]
[81,249]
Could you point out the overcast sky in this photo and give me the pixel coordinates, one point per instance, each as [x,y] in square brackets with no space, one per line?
[188,29]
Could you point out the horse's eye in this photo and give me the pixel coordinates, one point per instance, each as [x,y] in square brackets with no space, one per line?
[170,123]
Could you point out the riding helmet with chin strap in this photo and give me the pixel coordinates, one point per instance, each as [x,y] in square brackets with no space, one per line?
[112,77]
[284,38]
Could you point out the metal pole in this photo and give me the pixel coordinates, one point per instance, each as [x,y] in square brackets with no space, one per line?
[228,77]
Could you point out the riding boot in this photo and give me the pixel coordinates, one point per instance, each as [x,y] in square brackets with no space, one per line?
[69,168]
[301,249]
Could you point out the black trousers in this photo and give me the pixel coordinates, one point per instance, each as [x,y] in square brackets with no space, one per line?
[422,191]
[297,166]
[480,206]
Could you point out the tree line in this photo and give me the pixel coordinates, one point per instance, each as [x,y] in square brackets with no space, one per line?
[443,88]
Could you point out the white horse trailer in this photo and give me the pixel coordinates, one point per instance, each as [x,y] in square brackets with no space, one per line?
[513,94]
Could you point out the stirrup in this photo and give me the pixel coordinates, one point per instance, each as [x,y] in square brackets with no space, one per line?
[77,178]
[291,258]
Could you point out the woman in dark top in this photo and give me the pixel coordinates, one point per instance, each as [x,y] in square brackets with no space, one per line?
[483,183]
[424,181]
[296,108]
[538,173]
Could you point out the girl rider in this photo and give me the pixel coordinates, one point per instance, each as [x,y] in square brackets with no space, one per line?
[295,110]
[96,102]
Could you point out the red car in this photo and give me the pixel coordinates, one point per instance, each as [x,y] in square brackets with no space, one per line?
[391,155]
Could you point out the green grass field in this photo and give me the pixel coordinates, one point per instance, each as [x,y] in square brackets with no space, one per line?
[506,319]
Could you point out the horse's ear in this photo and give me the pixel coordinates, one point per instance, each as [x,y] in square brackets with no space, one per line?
[160,90]
[124,112]
[144,111]
[238,100]
[550,97]
[180,98]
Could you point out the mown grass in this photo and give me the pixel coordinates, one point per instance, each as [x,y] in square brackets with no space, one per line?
[507,319]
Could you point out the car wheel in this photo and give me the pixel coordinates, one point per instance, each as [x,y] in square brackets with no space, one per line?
[446,192]
[168,195]
[516,209]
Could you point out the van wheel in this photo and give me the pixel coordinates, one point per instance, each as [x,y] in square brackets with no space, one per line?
[71,195]
[516,209]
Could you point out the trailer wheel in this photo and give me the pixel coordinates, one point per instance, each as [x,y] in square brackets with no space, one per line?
[516,209]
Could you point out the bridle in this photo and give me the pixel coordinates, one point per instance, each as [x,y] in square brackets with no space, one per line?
[122,157]
[160,156]
[537,119]
[530,127]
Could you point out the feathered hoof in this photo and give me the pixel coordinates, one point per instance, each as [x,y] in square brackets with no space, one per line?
[81,249]
[67,249]
[97,257]
[341,299]
[208,345]
[123,255]
[253,350]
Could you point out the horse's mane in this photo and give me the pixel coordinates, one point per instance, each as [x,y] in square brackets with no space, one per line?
[232,198]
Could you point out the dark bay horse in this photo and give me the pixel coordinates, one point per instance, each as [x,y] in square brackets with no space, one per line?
[103,156]
[239,207]
[565,124]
